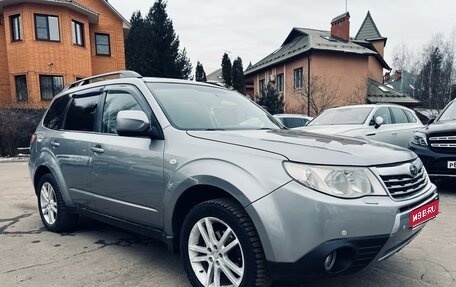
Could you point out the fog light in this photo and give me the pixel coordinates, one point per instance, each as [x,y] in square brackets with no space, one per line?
[330,261]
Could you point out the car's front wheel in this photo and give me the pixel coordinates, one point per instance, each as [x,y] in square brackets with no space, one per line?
[220,247]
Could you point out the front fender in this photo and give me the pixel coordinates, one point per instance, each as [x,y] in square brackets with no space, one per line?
[242,184]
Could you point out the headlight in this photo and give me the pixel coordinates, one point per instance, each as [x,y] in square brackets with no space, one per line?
[419,139]
[349,182]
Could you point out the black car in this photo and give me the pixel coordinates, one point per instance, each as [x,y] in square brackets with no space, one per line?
[436,144]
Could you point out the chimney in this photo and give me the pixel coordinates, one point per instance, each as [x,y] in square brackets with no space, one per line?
[340,27]
[397,75]
[387,76]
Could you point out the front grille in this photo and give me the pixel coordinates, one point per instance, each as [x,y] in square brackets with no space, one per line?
[443,143]
[403,185]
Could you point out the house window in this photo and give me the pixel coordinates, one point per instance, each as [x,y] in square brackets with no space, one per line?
[50,86]
[21,88]
[298,78]
[262,86]
[280,83]
[47,28]
[77,33]
[103,46]
[16,27]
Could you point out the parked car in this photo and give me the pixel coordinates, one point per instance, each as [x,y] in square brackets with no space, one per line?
[383,122]
[436,144]
[211,174]
[293,120]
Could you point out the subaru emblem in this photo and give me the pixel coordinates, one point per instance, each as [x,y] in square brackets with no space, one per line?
[413,170]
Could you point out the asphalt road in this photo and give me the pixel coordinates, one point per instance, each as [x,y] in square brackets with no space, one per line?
[99,255]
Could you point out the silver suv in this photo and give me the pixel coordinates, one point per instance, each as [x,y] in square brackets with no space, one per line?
[215,177]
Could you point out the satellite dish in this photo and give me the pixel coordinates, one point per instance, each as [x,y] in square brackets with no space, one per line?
[271,78]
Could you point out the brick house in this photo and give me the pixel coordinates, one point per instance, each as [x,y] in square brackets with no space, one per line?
[47,44]
[334,68]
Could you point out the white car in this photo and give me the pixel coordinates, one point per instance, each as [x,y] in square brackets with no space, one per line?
[293,120]
[387,123]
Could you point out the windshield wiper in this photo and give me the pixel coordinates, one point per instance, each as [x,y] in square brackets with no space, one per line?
[214,130]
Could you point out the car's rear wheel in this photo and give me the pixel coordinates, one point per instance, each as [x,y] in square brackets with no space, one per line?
[220,247]
[55,215]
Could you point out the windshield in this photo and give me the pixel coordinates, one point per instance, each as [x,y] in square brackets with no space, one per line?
[345,116]
[193,107]
[449,114]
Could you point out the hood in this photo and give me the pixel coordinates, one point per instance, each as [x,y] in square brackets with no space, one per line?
[331,129]
[306,147]
[441,128]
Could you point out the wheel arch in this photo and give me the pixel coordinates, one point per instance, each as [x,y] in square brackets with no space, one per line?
[47,163]
[191,197]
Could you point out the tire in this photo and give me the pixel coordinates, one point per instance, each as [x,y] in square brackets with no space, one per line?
[236,248]
[55,215]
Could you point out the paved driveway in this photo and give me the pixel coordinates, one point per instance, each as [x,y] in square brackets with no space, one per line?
[99,255]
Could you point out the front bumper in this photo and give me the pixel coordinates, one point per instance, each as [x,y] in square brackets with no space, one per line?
[436,163]
[299,228]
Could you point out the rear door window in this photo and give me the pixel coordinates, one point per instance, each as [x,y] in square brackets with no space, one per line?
[82,112]
[411,118]
[399,116]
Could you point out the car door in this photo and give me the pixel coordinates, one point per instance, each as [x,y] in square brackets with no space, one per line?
[404,127]
[71,147]
[127,172]
[384,133]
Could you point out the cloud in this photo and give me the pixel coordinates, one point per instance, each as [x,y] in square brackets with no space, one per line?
[252,29]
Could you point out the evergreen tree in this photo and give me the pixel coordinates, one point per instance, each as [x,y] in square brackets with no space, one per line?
[271,100]
[184,66]
[153,47]
[134,48]
[238,76]
[226,70]
[200,74]
[434,81]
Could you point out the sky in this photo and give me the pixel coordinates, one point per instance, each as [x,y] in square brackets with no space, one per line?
[252,29]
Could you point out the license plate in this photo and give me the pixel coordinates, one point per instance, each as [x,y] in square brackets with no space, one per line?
[452,165]
[424,213]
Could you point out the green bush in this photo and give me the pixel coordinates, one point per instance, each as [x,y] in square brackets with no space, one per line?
[16,128]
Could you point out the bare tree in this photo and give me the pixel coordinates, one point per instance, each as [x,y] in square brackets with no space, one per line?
[404,58]
[323,94]
[437,73]
[359,94]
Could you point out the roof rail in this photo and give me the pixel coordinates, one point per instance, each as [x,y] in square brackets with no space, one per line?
[101,77]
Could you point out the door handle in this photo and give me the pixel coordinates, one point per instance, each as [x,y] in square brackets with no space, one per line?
[55,144]
[97,149]
[394,133]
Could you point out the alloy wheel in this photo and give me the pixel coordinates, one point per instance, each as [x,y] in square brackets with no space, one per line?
[215,253]
[48,203]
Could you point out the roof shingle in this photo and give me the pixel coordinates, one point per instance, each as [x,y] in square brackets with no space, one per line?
[301,40]
[368,30]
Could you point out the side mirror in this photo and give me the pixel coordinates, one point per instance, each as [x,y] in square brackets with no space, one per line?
[431,121]
[378,122]
[132,123]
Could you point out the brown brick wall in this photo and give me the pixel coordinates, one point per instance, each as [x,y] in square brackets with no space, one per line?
[346,76]
[34,58]
[109,23]
[4,78]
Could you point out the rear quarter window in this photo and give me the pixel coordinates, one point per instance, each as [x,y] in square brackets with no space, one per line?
[56,112]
